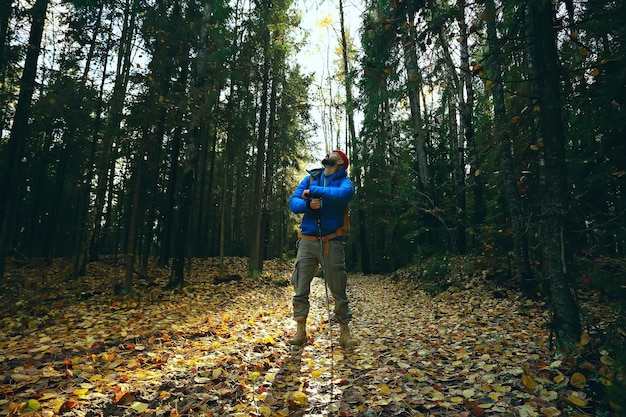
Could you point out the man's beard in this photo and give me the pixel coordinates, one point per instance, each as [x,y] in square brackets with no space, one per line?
[329,162]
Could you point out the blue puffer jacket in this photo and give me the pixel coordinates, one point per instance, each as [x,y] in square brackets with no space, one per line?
[335,191]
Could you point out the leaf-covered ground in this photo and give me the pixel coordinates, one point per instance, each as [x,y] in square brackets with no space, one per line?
[70,348]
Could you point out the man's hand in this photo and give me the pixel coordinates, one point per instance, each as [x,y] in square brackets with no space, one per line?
[315,203]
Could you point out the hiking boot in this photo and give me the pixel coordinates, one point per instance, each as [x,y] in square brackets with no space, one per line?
[345,338]
[299,338]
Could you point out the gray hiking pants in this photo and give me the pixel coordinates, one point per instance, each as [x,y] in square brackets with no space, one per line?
[308,260]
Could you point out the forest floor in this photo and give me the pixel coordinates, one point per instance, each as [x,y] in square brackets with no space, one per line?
[72,349]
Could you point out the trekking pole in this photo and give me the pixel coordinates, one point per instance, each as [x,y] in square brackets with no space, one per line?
[330,329]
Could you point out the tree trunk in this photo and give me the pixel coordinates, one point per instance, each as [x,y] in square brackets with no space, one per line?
[93,44]
[167,219]
[457,154]
[199,100]
[545,67]
[133,224]
[359,241]
[474,180]
[347,74]
[112,129]
[6,9]
[521,270]
[414,85]
[270,167]
[12,154]
[255,267]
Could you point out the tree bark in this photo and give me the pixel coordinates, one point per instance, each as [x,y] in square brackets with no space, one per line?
[255,267]
[457,155]
[113,126]
[199,101]
[521,270]
[133,223]
[474,180]
[6,9]
[545,68]
[414,85]
[10,166]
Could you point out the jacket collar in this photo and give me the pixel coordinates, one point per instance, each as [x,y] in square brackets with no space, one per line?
[319,172]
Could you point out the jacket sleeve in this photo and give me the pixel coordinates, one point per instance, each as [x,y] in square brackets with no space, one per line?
[338,195]
[296,203]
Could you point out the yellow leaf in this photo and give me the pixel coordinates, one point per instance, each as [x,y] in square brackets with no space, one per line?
[437,396]
[469,393]
[578,380]
[139,406]
[22,378]
[607,360]
[268,341]
[576,400]
[529,382]
[217,372]
[384,389]
[595,72]
[550,412]
[298,398]
[456,400]
[254,376]
[556,364]
[559,378]
[265,411]
[48,396]
[585,339]
[270,377]
[32,405]
[80,392]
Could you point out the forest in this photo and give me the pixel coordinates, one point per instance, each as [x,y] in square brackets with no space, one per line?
[151,138]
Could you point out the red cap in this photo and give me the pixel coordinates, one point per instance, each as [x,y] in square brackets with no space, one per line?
[343,156]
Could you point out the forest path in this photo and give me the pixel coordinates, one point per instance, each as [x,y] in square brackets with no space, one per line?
[220,350]
[462,352]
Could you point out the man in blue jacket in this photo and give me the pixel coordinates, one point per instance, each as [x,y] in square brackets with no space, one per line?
[323,198]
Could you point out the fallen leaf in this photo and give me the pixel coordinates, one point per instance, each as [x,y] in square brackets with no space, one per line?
[574,399]
[139,406]
[32,405]
[578,380]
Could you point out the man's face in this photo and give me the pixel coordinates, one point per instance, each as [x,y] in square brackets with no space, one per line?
[332,159]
